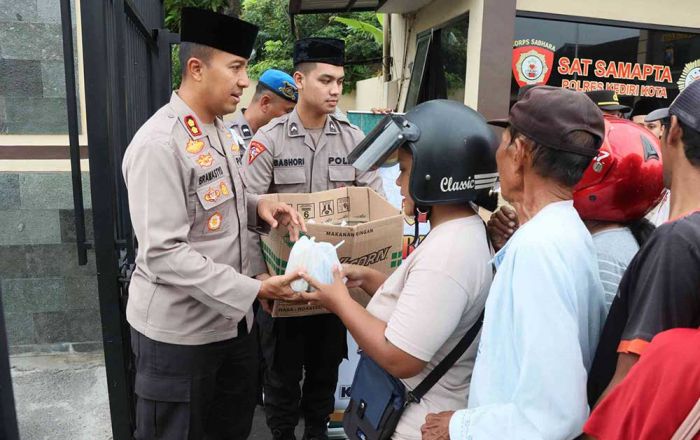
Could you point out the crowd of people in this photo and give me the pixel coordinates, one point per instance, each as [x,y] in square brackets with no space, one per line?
[589,312]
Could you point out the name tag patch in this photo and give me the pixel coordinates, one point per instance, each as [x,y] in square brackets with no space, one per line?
[211,175]
[295,162]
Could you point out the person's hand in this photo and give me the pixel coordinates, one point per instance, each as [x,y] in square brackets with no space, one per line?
[276,213]
[354,274]
[501,226]
[277,288]
[328,296]
[266,304]
[437,426]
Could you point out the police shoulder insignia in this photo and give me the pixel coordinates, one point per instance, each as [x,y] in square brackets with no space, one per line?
[246,131]
[192,126]
[288,90]
[194,147]
[255,150]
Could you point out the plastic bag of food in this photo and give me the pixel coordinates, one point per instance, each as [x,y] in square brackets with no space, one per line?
[318,259]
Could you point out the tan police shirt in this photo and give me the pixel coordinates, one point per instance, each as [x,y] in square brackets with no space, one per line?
[190,214]
[242,129]
[283,157]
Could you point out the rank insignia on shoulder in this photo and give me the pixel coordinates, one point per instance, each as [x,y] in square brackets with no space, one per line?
[214,222]
[192,127]
[205,160]
[194,147]
[255,150]
[246,131]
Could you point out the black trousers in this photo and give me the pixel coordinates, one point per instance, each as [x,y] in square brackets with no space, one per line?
[311,348]
[195,392]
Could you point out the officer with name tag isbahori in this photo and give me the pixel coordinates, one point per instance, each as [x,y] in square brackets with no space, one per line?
[303,152]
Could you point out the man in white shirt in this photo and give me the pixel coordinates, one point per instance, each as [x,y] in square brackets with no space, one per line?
[545,307]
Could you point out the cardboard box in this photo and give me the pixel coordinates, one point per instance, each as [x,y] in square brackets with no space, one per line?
[373,236]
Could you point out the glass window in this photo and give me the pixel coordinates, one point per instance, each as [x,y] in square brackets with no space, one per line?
[635,63]
[440,66]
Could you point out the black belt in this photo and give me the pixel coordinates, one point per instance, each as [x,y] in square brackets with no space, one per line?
[242,327]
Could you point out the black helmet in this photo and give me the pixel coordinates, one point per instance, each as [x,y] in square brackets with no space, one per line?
[453,152]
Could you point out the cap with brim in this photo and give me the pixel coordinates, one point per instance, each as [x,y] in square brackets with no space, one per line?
[607,100]
[499,122]
[219,31]
[657,115]
[547,115]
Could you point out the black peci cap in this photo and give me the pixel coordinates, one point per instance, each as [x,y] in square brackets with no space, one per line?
[219,31]
[319,50]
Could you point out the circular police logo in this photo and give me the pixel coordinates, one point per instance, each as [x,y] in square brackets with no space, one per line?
[691,72]
[531,67]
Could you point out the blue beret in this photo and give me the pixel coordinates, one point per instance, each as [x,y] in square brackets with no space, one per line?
[280,83]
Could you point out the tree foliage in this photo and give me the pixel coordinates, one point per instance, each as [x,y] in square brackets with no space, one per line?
[275,42]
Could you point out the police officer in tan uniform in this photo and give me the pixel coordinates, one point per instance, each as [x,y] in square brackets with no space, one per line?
[305,151]
[196,352]
[275,95]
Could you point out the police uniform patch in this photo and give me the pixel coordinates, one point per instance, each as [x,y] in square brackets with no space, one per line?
[192,127]
[288,90]
[224,189]
[205,160]
[246,131]
[194,147]
[235,147]
[212,195]
[214,222]
[255,150]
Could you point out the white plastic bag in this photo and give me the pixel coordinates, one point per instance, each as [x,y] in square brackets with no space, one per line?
[318,259]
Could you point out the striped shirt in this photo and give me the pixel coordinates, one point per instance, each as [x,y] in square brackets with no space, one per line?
[615,249]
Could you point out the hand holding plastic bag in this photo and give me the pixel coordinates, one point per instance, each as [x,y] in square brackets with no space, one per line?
[318,260]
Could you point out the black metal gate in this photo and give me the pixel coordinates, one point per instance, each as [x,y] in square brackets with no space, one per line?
[126,59]
[127,78]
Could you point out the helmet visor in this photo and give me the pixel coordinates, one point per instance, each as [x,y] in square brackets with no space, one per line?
[379,146]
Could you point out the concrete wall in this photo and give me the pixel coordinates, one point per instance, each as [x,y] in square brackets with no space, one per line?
[370,93]
[32,90]
[50,302]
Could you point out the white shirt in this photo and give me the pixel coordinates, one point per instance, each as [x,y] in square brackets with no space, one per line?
[541,327]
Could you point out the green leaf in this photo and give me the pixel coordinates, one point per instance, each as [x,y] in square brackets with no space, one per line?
[361,26]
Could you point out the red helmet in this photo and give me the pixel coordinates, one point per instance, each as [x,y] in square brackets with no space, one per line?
[625,181]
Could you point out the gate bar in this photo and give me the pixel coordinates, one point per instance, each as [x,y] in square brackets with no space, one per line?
[100,117]
[72,108]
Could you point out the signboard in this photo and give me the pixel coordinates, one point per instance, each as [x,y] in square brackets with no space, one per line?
[538,62]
